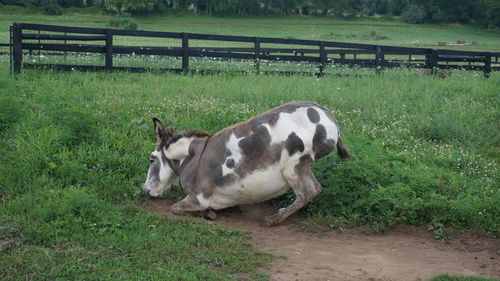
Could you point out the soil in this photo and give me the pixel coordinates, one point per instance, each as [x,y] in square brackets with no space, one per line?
[404,253]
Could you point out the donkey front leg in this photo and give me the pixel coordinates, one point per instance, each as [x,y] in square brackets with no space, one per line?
[190,205]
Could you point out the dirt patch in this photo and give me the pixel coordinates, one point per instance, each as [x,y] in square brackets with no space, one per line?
[406,253]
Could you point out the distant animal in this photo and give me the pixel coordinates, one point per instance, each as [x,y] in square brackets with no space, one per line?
[249,162]
[439,72]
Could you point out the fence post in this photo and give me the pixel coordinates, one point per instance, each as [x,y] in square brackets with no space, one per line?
[379,57]
[257,54]
[17,47]
[322,58]
[487,64]
[432,60]
[185,52]
[10,49]
[109,50]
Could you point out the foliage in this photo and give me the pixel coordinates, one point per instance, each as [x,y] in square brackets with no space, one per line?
[490,14]
[415,14]
[53,9]
[123,23]
[484,12]
[446,277]
[132,6]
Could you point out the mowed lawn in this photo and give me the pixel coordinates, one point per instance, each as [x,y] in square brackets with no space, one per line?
[365,30]
[74,153]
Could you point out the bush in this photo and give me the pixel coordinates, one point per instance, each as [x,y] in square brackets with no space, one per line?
[415,14]
[124,23]
[53,9]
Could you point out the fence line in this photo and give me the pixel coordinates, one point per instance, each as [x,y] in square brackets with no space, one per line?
[26,39]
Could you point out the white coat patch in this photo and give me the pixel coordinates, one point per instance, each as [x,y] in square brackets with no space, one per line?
[298,122]
[166,177]
[258,186]
[235,154]
[179,150]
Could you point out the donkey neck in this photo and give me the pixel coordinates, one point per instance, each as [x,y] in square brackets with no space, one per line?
[179,150]
[184,152]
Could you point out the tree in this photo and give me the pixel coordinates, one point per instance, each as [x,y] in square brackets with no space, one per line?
[489,13]
[415,14]
[396,7]
[70,3]
[132,6]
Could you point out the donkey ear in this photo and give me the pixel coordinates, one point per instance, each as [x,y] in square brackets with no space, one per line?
[159,129]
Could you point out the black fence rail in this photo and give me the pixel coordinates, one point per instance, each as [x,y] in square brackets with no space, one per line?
[103,49]
[4,48]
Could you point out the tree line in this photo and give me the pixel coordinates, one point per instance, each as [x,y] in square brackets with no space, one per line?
[482,12]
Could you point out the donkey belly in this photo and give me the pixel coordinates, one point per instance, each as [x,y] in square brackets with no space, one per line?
[257,186]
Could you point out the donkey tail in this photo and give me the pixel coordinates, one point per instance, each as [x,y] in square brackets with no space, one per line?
[342,150]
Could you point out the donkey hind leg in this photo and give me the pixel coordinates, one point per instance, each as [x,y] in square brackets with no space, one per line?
[305,187]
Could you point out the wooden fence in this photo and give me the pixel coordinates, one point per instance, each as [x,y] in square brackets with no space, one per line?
[36,40]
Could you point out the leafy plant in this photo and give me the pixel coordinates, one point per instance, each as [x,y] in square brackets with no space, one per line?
[53,9]
[415,14]
[123,23]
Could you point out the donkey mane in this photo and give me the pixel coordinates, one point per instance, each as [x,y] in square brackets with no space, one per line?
[194,133]
[184,133]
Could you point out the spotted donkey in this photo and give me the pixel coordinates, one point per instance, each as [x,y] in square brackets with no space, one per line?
[249,162]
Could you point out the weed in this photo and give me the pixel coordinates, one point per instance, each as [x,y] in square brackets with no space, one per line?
[446,277]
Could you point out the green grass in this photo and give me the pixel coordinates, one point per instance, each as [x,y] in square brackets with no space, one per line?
[417,137]
[71,234]
[74,153]
[366,30]
[447,277]
[69,208]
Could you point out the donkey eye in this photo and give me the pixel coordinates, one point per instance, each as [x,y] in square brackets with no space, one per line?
[151,161]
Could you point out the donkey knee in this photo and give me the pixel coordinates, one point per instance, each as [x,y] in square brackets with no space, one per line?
[178,209]
[186,205]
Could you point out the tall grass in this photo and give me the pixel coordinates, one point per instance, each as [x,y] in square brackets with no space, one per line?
[74,154]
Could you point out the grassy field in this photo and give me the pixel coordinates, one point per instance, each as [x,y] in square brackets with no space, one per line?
[368,30]
[74,153]
[75,147]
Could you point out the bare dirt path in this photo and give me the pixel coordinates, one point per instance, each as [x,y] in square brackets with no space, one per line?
[407,253]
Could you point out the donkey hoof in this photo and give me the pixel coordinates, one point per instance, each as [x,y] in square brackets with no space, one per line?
[210,214]
[267,222]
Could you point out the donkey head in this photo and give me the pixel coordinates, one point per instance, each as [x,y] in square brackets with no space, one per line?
[160,174]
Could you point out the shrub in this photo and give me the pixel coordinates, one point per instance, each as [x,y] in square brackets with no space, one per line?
[53,9]
[415,14]
[124,23]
